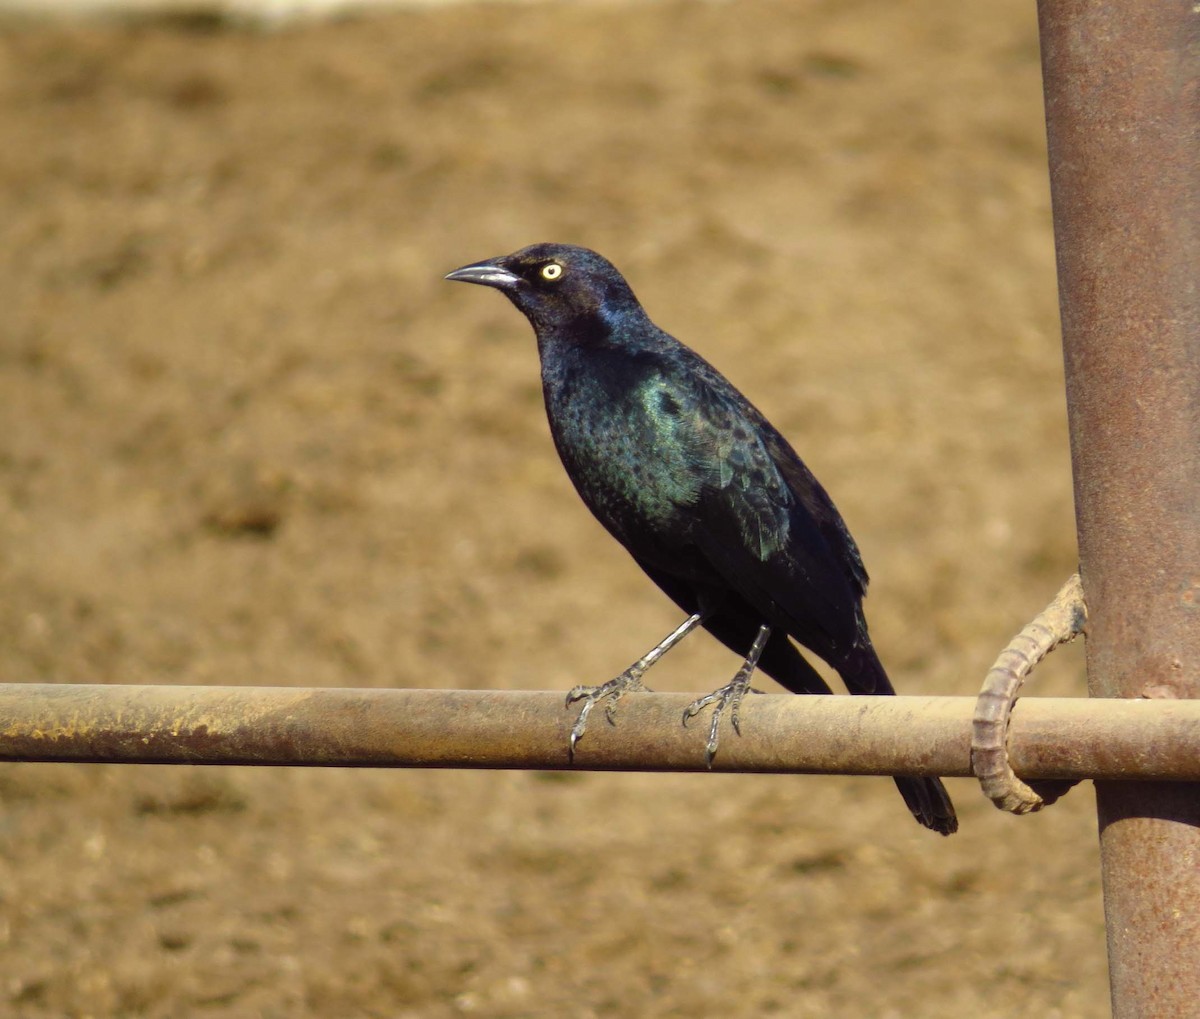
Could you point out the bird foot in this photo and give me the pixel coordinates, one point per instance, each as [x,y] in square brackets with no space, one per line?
[729,696]
[612,691]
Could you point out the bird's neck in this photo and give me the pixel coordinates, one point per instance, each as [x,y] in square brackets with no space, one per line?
[599,360]
[602,330]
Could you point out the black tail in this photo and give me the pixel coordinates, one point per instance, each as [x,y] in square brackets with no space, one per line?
[929,802]
[735,627]
[864,674]
[926,797]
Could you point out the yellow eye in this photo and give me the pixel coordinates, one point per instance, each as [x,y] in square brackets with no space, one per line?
[552,271]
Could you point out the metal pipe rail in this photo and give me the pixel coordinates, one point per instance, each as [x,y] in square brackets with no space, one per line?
[1122,90]
[1049,738]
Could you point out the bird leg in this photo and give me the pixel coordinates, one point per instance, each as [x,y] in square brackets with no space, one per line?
[630,679]
[730,695]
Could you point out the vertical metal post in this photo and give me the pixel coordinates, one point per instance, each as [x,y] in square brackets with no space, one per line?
[1122,87]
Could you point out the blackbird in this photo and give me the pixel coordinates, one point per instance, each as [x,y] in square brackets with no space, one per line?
[705,494]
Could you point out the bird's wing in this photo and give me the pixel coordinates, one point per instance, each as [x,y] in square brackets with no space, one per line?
[765,524]
[816,502]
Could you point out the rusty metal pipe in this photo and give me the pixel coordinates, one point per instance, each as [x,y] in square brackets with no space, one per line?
[1049,738]
[1122,89]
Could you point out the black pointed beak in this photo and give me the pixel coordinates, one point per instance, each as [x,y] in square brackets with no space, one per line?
[488,274]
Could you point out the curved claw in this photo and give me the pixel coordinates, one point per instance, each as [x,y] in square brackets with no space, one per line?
[580,722]
[729,696]
[710,748]
[577,693]
[737,707]
[630,679]
[612,691]
[698,705]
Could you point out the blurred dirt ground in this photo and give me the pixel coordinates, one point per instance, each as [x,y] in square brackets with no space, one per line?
[248,435]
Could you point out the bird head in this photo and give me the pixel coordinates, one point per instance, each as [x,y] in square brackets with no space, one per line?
[556,286]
